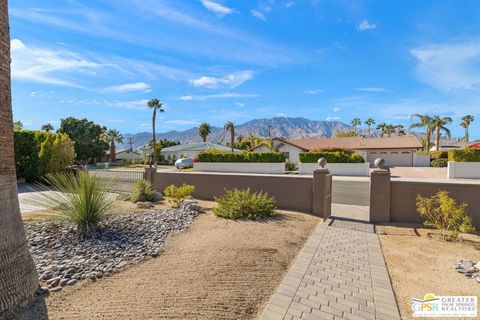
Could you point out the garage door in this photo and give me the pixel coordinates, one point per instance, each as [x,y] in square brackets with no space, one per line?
[392,158]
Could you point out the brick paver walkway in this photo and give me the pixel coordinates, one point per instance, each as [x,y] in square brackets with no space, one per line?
[340,274]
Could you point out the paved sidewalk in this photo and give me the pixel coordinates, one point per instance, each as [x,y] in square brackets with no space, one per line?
[340,274]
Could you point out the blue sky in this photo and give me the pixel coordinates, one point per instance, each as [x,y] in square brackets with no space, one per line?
[221,60]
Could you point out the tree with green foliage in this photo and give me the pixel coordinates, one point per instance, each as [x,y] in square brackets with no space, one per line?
[355,123]
[113,136]
[370,122]
[204,130]
[88,137]
[17,125]
[155,105]
[466,121]
[229,126]
[47,127]
[439,125]
[425,121]
[57,153]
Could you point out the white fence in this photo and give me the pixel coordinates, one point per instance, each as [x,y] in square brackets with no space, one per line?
[124,180]
[463,170]
[241,167]
[338,169]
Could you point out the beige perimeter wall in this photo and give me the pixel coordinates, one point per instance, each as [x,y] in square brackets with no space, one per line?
[291,192]
[403,194]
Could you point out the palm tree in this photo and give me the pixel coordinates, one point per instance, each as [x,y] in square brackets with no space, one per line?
[389,129]
[355,123]
[204,130]
[156,105]
[438,124]
[466,121]
[18,276]
[425,122]
[383,128]
[399,130]
[47,127]
[17,125]
[229,126]
[113,136]
[370,122]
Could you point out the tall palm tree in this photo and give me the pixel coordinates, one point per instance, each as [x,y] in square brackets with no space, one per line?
[204,130]
[18,276]
[425,121]
[389,129]
[113,136]
[466,121]
[355,123]
[156,105]
[370,122]
[229,126]
[47,127]
[399,130]
[383,128]
[439,125]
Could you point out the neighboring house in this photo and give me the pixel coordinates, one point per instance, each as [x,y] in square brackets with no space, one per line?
[449,144]
[191,150]
[475,145]
[397,151]
[125,154]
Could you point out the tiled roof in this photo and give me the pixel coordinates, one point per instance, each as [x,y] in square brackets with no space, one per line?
[198,146]
[359,143]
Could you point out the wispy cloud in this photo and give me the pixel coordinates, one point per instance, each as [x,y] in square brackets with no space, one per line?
[229,81]
[313,91]
[240,104]
[371,89]
[129,87]
[289,4]
[336,109]
[216,7]
[333,118]
[258,14]
[225,95]
[449,67]
[365,25]
[47,66]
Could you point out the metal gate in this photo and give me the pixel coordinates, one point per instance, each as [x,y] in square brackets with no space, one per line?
[123,180]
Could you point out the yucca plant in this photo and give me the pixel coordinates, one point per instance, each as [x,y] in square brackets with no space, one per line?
[142,191]
[83,199]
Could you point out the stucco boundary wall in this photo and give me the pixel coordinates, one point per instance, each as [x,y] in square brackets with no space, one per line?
[291,192]
[463,170]
[394,200]
[338,169]
[241,167]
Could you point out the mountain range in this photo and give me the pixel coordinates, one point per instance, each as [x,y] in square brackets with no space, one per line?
[288,128]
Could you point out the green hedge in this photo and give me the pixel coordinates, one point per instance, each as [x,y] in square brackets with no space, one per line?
[464,155]
[439,163]
[331,157]
[241,157]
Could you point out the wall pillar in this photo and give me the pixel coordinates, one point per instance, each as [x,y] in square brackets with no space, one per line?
[322,193]
[380,196]
[149,174]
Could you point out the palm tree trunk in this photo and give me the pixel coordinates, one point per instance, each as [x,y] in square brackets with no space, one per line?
[428,134]
[369,131]
[154,144]
[437,138]
[204,138]
[232,139]
[466,134]
[113,152]
[18,277]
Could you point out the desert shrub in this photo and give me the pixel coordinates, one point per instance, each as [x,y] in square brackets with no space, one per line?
[83,199]
[290,166]
[241,157]
[332,157]
[175,195]
[143,191]
[442,212]
[464,155]
[439,163]
[57,153]
[243,204]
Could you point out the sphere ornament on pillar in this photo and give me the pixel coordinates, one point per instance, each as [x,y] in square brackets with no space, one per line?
[322,162]
[379,163]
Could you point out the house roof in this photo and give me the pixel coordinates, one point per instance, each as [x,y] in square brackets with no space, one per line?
[282,140]
[474,146]
[117,151]
[359,143]
[198,146]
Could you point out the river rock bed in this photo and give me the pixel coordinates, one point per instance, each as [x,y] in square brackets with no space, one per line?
[63,257]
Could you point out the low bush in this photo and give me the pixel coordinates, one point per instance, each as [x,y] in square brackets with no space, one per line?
[241,157]
[290,166]
[334,149]
[83,199]
[331,157]
[442,212]
[439,163]
[423,153]
[243,204]
[175,195]
[143,191]
[440,154]
[464,155]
